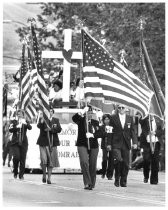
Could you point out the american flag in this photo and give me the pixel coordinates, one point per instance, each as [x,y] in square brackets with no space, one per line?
[26,102]
[24,81]
[42,90]
[157,106]
[108,80]
[31,106]
[33,73]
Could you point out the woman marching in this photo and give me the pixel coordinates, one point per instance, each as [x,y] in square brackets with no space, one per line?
[19,143]
[48,141]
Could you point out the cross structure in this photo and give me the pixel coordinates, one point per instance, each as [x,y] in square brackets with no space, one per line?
[66,64]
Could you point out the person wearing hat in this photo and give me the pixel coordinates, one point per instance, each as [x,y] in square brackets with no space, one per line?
[56,92]
[123,132]
[19,143]
[87,145]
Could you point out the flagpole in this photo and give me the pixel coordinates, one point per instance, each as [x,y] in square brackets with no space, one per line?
[150,136]
[142,22]
[87,125]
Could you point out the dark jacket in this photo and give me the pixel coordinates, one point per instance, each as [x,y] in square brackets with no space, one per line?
[93,128]
[54,131]
[145,131]
[19,134]
[122,134]
[106,136]
[43,139]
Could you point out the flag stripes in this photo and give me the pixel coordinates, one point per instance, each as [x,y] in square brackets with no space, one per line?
[24,81]
[31,110]
[117,84]
[26,92]
[42,90]
[33,72]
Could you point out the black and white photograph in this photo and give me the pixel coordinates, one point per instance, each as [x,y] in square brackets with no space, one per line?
[83,103]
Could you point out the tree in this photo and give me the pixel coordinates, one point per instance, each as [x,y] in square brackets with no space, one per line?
[113,24]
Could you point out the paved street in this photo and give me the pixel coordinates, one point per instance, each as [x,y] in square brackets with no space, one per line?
[67,190]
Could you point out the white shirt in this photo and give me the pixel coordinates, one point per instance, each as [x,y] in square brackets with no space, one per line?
[55,95]
[79,94]
[122,119]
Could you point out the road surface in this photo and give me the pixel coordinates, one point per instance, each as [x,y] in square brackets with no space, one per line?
[67,190]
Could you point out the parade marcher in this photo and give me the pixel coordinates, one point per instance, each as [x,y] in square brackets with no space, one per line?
[107,158]
[150,159]
[6,143]
[87,145]
[19,143]
[123,132]
[48,141]
[7,152]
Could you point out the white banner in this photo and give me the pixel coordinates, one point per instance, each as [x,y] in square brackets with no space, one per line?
[67,151]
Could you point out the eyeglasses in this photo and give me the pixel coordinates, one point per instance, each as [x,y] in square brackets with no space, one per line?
[121,107]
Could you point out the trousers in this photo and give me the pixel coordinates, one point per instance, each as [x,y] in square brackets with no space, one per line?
[151,162]
[121,163]
[107,163]
[88,163]
[19,158]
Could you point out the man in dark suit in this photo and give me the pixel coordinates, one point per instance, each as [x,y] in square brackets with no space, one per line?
[87,156]
[123,132]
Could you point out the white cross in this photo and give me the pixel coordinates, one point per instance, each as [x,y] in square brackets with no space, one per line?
[66,64]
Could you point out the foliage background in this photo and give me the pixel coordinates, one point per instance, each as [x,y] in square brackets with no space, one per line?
[114,24]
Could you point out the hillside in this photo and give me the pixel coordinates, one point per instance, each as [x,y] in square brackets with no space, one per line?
[17,12]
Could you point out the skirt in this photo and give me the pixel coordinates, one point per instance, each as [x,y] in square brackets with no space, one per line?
[49,158]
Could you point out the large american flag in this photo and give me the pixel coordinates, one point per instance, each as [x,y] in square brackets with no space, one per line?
[42,90]
[108,80]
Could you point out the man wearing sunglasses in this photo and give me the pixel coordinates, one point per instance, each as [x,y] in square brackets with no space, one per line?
[123,132]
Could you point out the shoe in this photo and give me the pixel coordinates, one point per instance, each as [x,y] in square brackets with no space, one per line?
[3,163]
[44,180]
[15,176]
[89,187]
[48,181]
[21,178]
[154,182]
[145,180]
[123,185]
[8,164]
[109,178]
[116,183]
[102,176]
